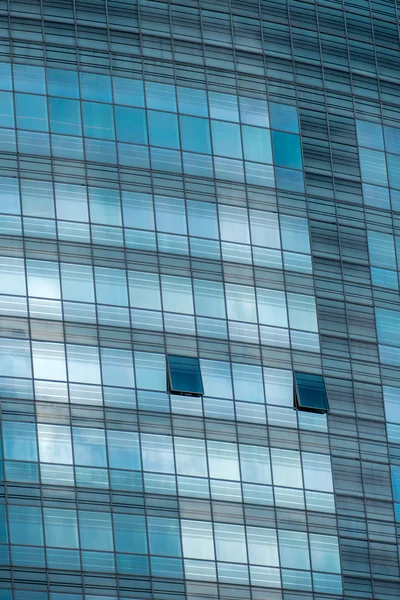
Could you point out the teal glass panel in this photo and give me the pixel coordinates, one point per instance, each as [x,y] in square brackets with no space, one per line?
[5,76]
[284,117]
[61,82]
[128,91]
[131,125]
[96,530]
[19,441]
[288,179]
[163,129]
[393,163]
[160,96]
[96,87]
[98,120]
[257,144]
[226,139]
[130,533]
[384,278]
[375,195]
[164,536]
[381,249]
[203,220]
[28,78]
[223,106]
[392,139]
[373,166]
[65,116]
[184,375]
[387,325]
[26,526]
[192,102]
[370,135]
[195,134]
[287,152]
[31,112]
[61,528]
[7,109]
[254,112]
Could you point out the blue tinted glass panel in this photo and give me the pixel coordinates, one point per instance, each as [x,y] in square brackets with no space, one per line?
[131,125]
[130,533]
[394,170]
[31,112]
[128,91]
[195,134]
[226,139]
[98,120]
[310,392]
[65,116]
[160,96]
[223,106]
[184,375]
[5,76]
[287,152]
[28,78]
[392,139]
[61,82]
[7,109]
[163,129]
[96,87]
[370,135]
[284,117]
[164,536]
[373,166]
[257,144]
[192,102]
[254,112]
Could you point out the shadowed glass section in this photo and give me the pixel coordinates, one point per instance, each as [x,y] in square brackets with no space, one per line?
[310,393]
[184,376]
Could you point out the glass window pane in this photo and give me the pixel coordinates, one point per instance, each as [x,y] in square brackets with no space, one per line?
[128,91]
[89,447]
[160,96]
[248,383]
[163,129]
[96,530]
[61,527]
[272,308]
[203,221]
[241,303]
[31,112]
[302,312]
[55,444]
[19,441]
[105,206]
[392,139]
[190,455]
[150,371]
[287,152]
[254,111]
[95,87]
[284,117]
[195,134]
[197,540]
[131,125]
[83,364]
[234,224]
[98,120]
[263,546]
[130,533]
[223,106]
[177,294]
[77,282]
[138,210]
[255,464]
[144,290]
[117,367]
[370,134]
[170,214]
[257,144]
[311,392]
[324,553]
[226,139]
[26,526]
[286,468]
[61,82]
[65,116]
[230,543]
[223,460]
[192,102]
[123,450]
[293,547]
[373,166]
[317,472]
[164,536]
[184,375]
[217,379]
[158,453]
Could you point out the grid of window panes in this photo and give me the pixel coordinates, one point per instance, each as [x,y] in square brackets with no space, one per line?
[213,180]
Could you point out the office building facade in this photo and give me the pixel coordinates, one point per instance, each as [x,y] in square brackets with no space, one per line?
[199,299]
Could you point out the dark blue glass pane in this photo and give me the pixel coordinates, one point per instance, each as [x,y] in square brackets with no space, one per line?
[310,392]
[184,375]
[287,151]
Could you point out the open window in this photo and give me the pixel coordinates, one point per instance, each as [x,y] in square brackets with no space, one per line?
[184,375]
[310,392]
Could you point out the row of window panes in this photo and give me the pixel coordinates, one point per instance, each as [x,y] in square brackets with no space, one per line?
[159,96]
[192,134]
[58,444]
[179,294]
[220,379]
[164,213]
[131,155]
[200,540]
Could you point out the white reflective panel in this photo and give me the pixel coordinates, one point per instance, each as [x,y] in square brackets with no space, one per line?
[197,539]
[200,570]
[223,460]
[302,312]
[49,361]
[15,358]
[265,229]
[83,364]
[278,386]
[190,456]
[317,472]
[391,396]
[217,379]
[144,290]
[55,445]
[230,543]
[272,308]
[43,279]
[248,383]
[158,453]
[234,224]
[255,464]
[177,294]
[12,276]
[286,468]
[263,546]
[241,303]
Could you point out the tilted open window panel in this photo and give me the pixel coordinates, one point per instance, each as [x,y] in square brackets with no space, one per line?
[184,376]
[310,392]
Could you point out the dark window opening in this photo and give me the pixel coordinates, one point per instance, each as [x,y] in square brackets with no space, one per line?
[184,375]
[310,393]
